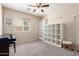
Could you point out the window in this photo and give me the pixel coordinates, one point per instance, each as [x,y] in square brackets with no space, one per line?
[22,24]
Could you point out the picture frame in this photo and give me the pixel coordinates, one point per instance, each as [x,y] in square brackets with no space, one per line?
[9,21]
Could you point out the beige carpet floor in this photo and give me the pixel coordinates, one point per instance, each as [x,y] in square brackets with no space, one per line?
[39,48]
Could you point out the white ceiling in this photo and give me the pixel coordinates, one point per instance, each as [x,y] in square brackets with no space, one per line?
[26,9]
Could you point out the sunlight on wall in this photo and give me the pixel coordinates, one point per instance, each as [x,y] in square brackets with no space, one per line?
[0,19]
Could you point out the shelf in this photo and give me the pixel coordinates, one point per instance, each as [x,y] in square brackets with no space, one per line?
[58,42]
[41,38]
[52,43]
[52,34]
[48,37]
[47,33]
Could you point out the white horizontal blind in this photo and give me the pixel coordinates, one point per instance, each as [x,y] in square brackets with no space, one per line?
[22,25]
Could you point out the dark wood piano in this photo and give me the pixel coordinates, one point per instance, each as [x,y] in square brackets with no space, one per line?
[5,42]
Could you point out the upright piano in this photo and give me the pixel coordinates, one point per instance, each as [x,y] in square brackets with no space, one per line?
[5,42]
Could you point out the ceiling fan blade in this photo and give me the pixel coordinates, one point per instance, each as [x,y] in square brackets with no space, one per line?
[32,5]
[34,10]
[45,6]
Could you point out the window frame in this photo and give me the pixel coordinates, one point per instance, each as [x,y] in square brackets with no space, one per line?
[22,19]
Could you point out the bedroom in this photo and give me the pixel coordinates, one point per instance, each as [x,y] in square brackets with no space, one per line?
[37,28]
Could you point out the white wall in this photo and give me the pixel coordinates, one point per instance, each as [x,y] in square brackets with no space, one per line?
[64,14]
[61,13]
[0,19]
[21,37]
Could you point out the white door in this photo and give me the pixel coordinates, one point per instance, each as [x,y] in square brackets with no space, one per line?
[77,33]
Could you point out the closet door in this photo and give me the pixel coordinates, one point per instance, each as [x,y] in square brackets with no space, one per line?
[77,32]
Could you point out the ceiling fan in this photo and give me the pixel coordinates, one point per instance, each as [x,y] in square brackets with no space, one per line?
[39,5]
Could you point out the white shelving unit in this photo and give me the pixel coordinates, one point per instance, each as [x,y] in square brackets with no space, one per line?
[52,34]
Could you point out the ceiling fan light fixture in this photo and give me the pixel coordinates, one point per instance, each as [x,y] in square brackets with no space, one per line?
[42,10]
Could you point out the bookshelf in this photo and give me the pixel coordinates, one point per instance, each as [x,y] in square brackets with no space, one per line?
[52,34]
